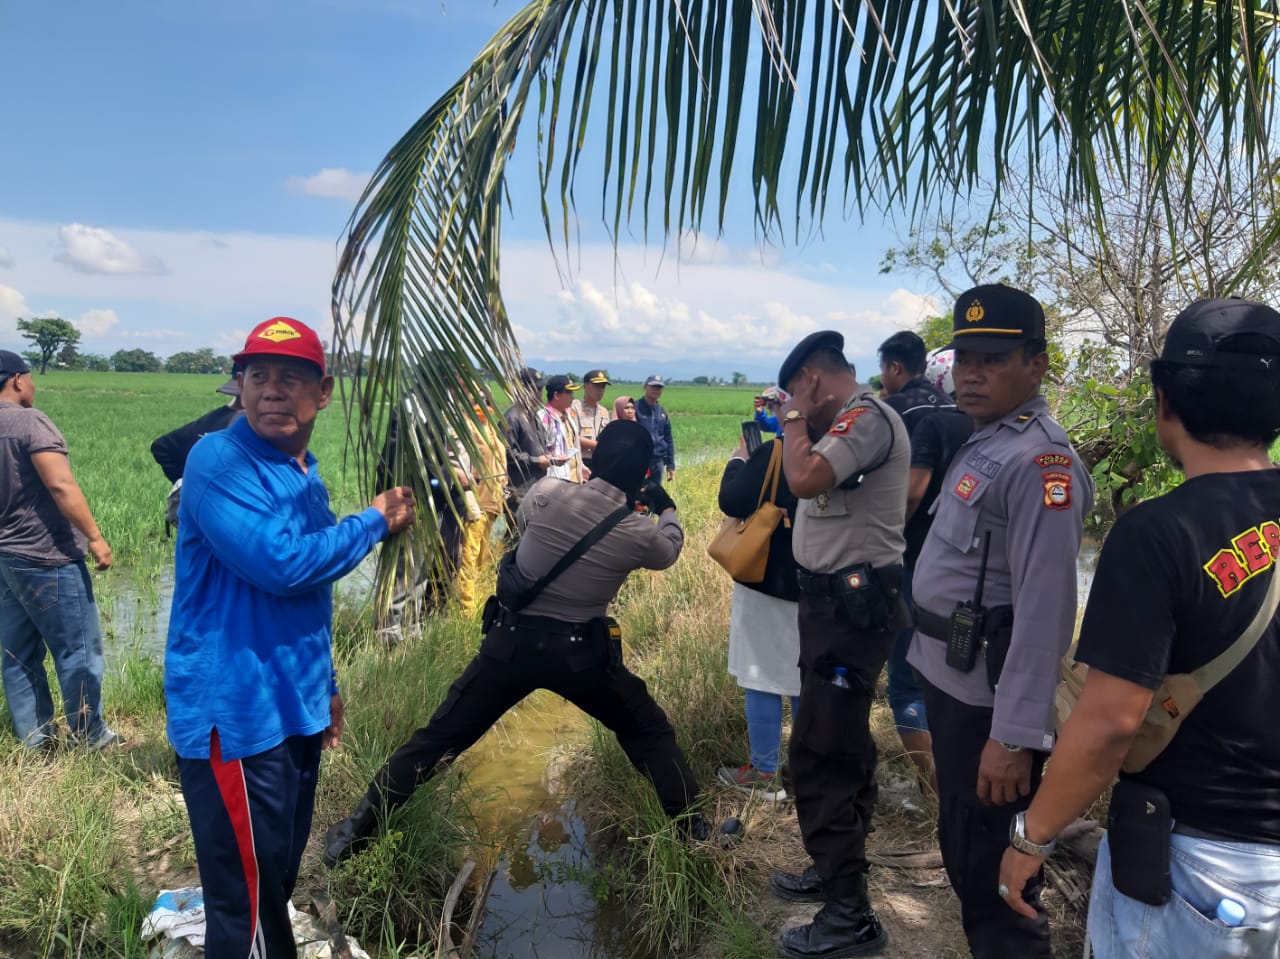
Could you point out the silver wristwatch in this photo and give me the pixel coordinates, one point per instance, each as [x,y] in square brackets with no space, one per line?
[1019,841]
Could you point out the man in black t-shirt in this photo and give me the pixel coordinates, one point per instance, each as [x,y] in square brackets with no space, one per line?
[937,430]
[1179,580]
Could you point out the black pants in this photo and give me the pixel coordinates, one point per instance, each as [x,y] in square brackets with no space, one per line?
[973,837]
[510,665]
[833,757]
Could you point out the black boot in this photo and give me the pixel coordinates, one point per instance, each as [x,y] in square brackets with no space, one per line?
[798,887]
[350,835]
[844,927]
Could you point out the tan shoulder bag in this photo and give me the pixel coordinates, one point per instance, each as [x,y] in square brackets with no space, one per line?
[741,546]
[1178,694]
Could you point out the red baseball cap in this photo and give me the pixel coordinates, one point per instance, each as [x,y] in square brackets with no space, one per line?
[282,336]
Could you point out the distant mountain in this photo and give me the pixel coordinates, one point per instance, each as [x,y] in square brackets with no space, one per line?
[673,369]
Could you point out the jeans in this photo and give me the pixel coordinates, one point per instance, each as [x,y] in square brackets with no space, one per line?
[50,607]
[906,699]
[764,727]
[1204,873]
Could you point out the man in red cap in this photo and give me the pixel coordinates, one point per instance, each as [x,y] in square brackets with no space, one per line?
[251,692]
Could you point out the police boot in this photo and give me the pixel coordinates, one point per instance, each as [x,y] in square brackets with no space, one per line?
[798,887]
[348,836]
[846,926]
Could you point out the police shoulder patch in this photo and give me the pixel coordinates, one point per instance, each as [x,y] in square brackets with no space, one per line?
[1057,490]
[844,422]
[1053,459]
[968,483]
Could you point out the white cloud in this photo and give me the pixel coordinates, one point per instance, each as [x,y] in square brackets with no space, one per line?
[735,307]
[340,184]
[89,249]
[97,322]
[12,306]
[6,258]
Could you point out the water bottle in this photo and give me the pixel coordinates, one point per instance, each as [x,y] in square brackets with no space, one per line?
[1230,913]
[840,678]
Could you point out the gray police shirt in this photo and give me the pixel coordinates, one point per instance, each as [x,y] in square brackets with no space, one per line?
[31,525]
[557,513]
[840,527]
[1019,479]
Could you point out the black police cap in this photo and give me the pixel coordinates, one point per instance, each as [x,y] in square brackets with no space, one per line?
[1197,335]
[995,318]
[822,340]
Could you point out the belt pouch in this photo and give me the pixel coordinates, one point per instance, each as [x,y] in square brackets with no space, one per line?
[489,616]
[998,630]
[1138,829]
[859,589]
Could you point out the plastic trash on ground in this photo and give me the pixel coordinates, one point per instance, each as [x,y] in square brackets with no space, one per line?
[177,921]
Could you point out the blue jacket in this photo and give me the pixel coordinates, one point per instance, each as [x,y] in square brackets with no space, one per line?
[768,422]
[249,647]
[655,419]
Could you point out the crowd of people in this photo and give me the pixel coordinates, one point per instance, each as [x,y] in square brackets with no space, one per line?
[932,530]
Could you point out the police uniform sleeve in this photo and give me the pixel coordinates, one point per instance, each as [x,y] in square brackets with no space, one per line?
[662,542]
[1047,497]
[858,438]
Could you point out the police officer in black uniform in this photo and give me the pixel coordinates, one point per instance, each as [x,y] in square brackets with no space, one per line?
[561,640]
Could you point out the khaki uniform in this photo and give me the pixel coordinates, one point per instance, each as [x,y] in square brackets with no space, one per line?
[1019,480]
[591,420]
[489,473]
[832,755]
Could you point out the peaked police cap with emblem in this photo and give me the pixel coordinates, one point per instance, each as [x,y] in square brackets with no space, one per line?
[282,336]
[995,319]
[1200,335]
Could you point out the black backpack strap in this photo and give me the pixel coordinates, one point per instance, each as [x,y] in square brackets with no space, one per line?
[568,559]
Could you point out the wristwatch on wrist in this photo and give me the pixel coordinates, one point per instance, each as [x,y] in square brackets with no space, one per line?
[793,416]
[1019,841]
[1011,747]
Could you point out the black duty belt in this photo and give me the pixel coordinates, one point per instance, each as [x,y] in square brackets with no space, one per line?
[931,624]
[541,624]
[832,584]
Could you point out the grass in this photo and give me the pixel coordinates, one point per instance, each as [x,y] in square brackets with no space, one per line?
[87,841]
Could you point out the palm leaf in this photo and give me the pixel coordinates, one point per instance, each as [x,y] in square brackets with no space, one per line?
[892,101]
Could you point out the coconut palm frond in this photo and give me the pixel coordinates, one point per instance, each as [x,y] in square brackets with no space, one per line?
[852,103]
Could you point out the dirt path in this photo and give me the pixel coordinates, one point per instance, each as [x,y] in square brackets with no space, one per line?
[916,904]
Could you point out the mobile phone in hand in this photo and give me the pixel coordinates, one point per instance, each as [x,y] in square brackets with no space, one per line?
[751,432]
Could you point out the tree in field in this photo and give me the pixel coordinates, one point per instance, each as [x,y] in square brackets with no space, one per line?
[135,361]
[198,361]
[831,108]
[739,379]
[69,357]
[95,362]
[49,334]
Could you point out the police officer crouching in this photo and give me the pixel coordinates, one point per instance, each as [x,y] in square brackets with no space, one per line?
[995,595]
[845,455]
[561,640]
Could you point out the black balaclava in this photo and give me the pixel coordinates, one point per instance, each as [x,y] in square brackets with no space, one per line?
[622,457]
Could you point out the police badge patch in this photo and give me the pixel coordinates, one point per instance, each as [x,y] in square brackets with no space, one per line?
[966,486]
[1057,490]
[846,420]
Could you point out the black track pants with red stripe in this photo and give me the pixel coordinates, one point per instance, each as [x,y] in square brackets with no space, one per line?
[250,819]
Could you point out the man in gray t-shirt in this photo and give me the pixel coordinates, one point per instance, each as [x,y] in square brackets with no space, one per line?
[46,598]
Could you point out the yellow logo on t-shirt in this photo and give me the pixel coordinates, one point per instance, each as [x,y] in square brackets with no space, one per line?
[279,332]
[1249,554]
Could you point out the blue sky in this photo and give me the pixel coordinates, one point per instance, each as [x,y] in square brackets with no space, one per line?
[174,173]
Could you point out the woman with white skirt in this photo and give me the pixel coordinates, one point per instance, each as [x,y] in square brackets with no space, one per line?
[764,638]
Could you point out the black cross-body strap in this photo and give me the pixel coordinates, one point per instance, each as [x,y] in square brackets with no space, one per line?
[568,559]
